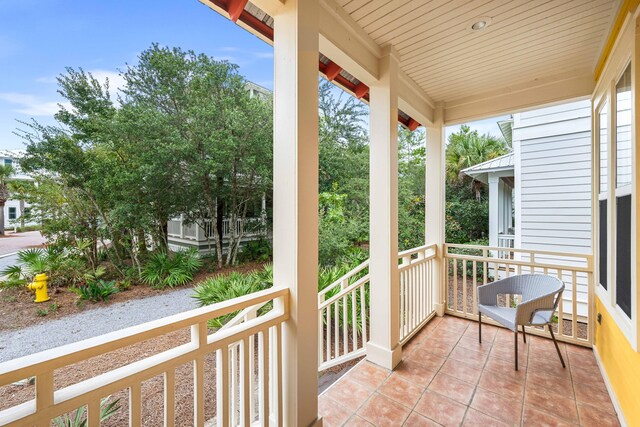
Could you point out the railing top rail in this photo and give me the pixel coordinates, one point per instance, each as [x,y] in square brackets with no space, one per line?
[513,262]
[347,276]
[361,281]
[418,249]
[62,356]
[448,246]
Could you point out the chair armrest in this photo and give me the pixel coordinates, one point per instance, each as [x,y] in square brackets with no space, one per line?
[527,309]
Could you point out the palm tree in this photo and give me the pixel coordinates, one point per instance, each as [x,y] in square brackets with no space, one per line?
[468,148]
[5,173]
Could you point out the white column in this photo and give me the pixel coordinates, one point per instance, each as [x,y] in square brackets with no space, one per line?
[435,201]
[295,202]
[494,209]
[383,347]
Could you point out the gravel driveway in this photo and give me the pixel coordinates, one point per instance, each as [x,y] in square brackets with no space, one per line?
[93,322]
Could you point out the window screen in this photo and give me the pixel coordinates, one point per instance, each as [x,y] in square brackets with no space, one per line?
[623,129]
[12,213]
[623,253]
[604,143]
[602,261]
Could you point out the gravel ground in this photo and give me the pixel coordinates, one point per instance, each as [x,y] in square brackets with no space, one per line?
[91,323]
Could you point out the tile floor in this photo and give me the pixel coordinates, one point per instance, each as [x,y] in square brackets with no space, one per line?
[447,378]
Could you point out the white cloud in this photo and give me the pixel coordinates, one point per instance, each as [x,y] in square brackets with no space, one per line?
[116,81]
[264,55]
[31,105]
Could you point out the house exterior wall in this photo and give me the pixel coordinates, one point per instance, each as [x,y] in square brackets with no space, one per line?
[11,157]
[553,178]
[553,186]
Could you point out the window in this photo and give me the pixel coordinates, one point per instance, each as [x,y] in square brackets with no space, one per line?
[603,117]
[623,193]
[12,213]
[8,162]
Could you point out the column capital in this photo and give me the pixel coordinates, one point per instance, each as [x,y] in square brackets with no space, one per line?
[390,51]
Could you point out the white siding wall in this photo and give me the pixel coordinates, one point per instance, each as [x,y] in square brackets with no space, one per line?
[553,174]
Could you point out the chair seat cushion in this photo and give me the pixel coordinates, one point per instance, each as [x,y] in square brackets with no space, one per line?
[506,316]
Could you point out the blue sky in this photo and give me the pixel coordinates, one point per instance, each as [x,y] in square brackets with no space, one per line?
[38,39]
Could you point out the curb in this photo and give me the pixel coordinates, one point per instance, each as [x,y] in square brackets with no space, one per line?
[6,255]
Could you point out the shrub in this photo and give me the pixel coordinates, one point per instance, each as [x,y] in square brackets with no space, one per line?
[223,288]
[99,290]
[256,250]
[170,270]
[79,419]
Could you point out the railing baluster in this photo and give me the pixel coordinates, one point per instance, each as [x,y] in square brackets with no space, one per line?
[364,314]
[464,287]
[169,398]
[328,327]
[263,357]
[455,285]
[560,307]
[93,413]
[135,400]
[276,377]
[354,321]
[345,332]
[246,373]
[336,326]
[574,302]
[222,387]
[474,283]
[199,338]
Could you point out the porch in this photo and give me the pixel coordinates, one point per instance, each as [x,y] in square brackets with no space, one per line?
[447,378]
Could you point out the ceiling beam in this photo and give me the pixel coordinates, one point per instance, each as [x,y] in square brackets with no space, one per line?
[525,96]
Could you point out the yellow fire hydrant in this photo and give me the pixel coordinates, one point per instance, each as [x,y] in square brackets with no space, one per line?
[39,286]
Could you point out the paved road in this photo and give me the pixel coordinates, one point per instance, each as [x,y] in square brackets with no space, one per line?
[14,242]
[6,261]
[92,322]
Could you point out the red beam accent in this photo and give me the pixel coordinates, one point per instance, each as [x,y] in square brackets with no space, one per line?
[412,125]
[361,90]
[332,70]
[235,9]
[256,24]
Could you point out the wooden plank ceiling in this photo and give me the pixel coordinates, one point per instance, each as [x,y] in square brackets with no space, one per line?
[526,40]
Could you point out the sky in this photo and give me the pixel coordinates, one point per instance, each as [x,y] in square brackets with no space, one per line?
[38,39]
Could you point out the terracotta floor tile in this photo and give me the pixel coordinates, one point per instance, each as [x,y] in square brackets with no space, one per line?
[369,374]
[547,365]
[504,408]
[357,421]
[471,343]
[382,411]
[595,395]
[550,383]
[441,409]
[509,354]
[584,357]
[534,418]
[502,385]
[401,391]
[478,419]
[506,368]
[332,413]
[414,372]
[351,394]
[437,347]
[461,371]
[430,361]
[591,416]
[417,420]
[474,358]
[552,404]
[452,388]
[587,375]
[454,324]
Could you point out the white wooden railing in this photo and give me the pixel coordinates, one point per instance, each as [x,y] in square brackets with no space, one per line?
[343,306]
[465,267]
[416,289]
[343,318]
[248,387]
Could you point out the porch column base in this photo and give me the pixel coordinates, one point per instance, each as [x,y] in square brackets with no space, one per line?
[384,357]
[439,308]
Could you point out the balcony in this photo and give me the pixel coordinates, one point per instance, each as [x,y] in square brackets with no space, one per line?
[236,373]
[447,378]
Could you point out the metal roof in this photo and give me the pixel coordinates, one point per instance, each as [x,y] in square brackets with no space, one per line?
[481,170]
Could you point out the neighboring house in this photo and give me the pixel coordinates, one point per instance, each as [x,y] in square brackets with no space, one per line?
[14,208]
[181,235]
[540,194]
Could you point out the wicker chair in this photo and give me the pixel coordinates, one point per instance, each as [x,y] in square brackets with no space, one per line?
[540,297]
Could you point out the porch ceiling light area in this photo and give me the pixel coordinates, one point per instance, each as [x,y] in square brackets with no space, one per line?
[480,23]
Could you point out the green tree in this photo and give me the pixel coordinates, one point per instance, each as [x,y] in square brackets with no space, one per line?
[467,148]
